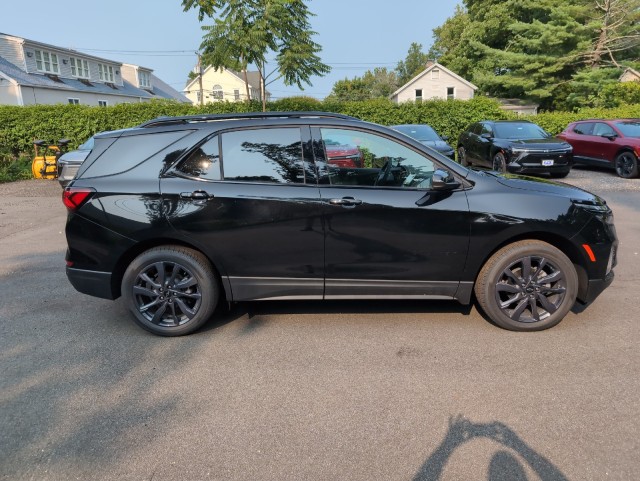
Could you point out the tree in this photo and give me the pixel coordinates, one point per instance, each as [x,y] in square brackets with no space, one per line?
[414,63]
[377,84]
[559,54]
[244,32]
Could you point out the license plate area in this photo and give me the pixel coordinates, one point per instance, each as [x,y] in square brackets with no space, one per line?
[547,162]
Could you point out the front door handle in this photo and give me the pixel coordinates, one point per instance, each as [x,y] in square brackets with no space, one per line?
[345,202]
[195,195]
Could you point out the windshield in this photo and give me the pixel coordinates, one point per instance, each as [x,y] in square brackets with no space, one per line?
[515,130]
[418,132]
[629,128]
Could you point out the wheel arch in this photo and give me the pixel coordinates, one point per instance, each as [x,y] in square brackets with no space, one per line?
[135,251]
[563,244]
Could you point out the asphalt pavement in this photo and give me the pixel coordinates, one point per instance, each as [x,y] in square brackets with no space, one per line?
[374,390]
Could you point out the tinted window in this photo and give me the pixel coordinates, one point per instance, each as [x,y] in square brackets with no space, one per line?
[364,159]
[601,128]
[520,130]
[127,152]
[584,128]
[264,155]
[629,129]
[475,128]
[204,162]
[486,129]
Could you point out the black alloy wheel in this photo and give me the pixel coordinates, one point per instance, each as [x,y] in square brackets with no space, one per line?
[626,165]
[499,162]
[170,290]
[527,286]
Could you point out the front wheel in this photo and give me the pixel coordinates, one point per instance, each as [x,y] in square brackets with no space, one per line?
[527,286]
[499,162]
[626,165]
[170,290]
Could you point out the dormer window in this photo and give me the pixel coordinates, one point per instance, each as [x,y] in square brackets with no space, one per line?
[79,67]
[105,73]
[144,79]
[47,62]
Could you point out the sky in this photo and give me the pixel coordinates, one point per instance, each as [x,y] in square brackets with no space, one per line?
[355,35]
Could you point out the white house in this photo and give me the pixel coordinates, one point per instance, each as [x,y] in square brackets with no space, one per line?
[630,75]
[223,84]
[435,82]
[37,73]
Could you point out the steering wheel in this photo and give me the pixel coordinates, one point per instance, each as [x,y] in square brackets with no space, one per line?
[384,173]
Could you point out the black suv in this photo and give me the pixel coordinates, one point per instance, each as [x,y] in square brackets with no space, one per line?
[181,213]
[516,146]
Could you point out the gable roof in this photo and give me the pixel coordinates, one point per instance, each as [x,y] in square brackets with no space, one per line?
[432,66]
[253,77]
[631,71]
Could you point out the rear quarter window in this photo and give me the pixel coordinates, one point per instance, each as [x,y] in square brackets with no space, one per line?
[127,152]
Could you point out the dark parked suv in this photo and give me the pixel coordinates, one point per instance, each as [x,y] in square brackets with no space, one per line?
[182,213]
[516,146]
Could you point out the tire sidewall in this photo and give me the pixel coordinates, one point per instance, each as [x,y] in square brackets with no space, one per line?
[196,264]
[634,171]
[485,291]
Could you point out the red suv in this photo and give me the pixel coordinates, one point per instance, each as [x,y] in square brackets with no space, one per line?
[609,143]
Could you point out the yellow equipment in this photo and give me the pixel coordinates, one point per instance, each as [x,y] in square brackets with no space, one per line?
[46,166]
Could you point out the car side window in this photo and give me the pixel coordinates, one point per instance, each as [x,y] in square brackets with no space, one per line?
[603,129]
[475,129]
[363,159]
[584,128]
[486,129]
[204,162]
[263,155]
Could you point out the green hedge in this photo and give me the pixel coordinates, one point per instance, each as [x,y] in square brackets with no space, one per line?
[20,126]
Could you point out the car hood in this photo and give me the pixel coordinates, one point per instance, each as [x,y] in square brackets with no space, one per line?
[439,145]
[536,184]
[539,144]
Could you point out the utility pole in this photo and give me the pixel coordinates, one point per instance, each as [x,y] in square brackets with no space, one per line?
[200,78]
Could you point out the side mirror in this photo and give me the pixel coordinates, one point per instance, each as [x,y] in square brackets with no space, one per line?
[443,180]
[444,137]
[487,136]
[611,137]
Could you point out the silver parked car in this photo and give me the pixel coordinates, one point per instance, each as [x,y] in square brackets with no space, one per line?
[70,162]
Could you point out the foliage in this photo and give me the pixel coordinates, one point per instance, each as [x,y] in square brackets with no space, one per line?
[244,32]
[380,83]
[20,126]
[540,50]
[414,63]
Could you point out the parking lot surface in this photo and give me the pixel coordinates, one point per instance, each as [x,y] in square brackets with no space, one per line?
[309,390]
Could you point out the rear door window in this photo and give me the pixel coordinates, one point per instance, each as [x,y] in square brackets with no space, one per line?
[263,155]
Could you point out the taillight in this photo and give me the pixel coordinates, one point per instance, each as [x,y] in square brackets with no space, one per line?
[74,197]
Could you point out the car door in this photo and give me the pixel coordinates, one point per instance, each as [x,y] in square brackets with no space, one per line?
[387,232]
[485,143]
[605,139]
[249,199]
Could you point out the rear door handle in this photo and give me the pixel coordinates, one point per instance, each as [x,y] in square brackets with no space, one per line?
[345,202]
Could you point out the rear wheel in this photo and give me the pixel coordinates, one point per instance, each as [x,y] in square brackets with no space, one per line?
[462,156]
[170,290]
[527,286]
[626,165]
[499,162]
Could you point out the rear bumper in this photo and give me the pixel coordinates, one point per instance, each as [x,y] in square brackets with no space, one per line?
[93,283]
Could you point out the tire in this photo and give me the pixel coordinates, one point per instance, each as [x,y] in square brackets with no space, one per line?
[519,301]
[626,164]
[559,175]
[170,290]
[499,162]
[462,157]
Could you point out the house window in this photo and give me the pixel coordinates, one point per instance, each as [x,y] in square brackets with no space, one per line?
[217,92]
[451,93]
[236,94]
[144,79]
[102,103]
[435,74]
[105,73]
[79,67]
[74,101]
[418,95]
[47,62]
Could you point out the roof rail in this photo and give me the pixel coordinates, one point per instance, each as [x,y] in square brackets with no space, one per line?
[237,116]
